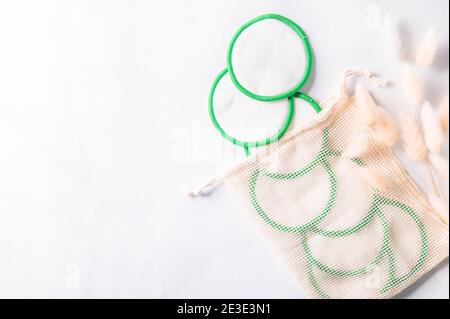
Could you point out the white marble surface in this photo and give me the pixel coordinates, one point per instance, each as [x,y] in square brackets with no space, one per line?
[97,101]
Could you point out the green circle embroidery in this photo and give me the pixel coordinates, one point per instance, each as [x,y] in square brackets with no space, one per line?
[318,160]
[301,34]
[386,251]
[299,228]
[312,226]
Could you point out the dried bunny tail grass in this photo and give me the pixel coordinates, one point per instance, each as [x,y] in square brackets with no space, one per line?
[359,146]
[385,130]
[441,165]
[427,50]
[395,40]
[434,138]
[374,179]
[412,86]
[443,115]
[441,206]
[413,142]
[367,107]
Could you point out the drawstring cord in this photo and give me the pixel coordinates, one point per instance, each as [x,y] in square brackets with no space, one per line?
[207,188]
[378,81]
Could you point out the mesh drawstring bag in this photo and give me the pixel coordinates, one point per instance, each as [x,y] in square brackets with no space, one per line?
[339,236]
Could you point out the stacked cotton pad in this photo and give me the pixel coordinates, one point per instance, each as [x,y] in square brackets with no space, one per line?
[263,78]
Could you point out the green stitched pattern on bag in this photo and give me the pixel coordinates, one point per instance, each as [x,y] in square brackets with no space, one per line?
[312,226]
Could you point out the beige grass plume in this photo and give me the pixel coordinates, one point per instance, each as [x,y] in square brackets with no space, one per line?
[413,142]
[440,165]
[395,40]
[427,50]
[441,206]
[385,130]
[359,146]
[375,179]
[368,110]
[412,86]
[443,115]
[434,138]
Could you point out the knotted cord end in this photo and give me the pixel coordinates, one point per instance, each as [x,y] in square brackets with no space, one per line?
[204,190]
[379,81]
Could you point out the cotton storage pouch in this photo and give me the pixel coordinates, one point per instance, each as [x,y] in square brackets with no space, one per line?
[339,235]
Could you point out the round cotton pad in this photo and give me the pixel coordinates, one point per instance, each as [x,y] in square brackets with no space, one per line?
[244,121]
[269,58]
